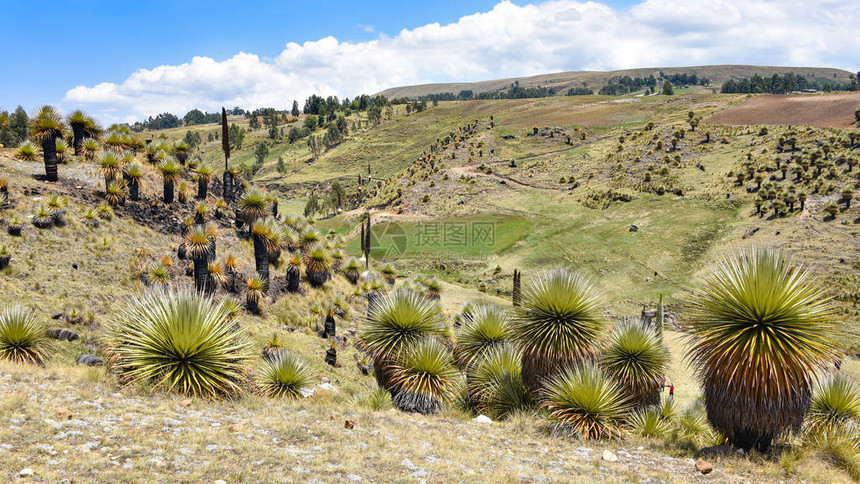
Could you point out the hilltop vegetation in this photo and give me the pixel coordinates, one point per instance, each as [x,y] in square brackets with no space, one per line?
[609,208]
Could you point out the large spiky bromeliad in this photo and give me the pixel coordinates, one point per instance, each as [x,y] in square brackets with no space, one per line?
[584,401]
[425,377]
[636,358]
[22,336]
[557,324]
[253,204]
[759,329]
[45,128]
[178,341]
[198,245]
[486,326]
[284,375]
[170,172]
[495,382]
[265,234]
[317,265]
[396,322]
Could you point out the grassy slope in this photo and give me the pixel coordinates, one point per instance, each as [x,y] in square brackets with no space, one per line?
[541,224]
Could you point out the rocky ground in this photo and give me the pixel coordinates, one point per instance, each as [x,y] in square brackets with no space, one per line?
[76,425]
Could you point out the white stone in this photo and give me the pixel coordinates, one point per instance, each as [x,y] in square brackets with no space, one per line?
[482,419]
[609,456]
[26,472]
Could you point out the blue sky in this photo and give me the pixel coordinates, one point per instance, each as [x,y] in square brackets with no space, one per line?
[89,54]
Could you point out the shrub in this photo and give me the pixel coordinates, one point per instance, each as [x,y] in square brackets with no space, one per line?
[636,358]
[557,324]
[284,375]
[496,384]
[582,400]
[178,341]
[396,322]
[834,408]
[22,336]
[425,377]
[484,327]
[759,329]
[27,151]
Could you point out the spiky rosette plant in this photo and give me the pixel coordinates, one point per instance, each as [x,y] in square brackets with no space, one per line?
[110,164]
[180,151]
[425,377]
[759,328]
[45,127]
[294,266]
[636,358]
[284,375]
[42,218]
[309,237]
[115,193]
[216,276]
[89,148]
[834,409]
[56,205]
[352,271]
[204,177]
[78,122]
[180,342]
[486,326]
[62,148]
[337,257]
[170,172]
[557,324]
[317,265]
[114,140]
[397,321]
[389,274]
[22,336]
[133,174]
[253,204]
[265,234]
[27,151]
[159,276]
[255,289]
[496,384]
[198,246]
[582,400]
[648,422]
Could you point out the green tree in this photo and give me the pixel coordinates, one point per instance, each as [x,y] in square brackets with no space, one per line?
[310,122]
[338,194]
[17,131]
[668,90]
[261,152]
[312,206]
[280,166]
[295,112]
[374,115]
[195,116]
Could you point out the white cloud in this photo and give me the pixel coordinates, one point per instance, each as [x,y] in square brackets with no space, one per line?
[508,40]
[366,28]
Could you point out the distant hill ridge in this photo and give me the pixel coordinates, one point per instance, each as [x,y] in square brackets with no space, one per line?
[594,80]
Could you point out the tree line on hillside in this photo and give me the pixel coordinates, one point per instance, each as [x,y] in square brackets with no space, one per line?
[620,85]
[783,84]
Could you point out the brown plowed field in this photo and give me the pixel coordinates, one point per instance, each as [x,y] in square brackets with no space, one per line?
[823,110]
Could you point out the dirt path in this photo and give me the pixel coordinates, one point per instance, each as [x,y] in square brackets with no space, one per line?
[471,170]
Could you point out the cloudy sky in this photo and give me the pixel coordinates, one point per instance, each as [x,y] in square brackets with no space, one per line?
[125,62]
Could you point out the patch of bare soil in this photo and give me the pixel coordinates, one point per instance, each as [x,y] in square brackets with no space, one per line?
[822,110]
